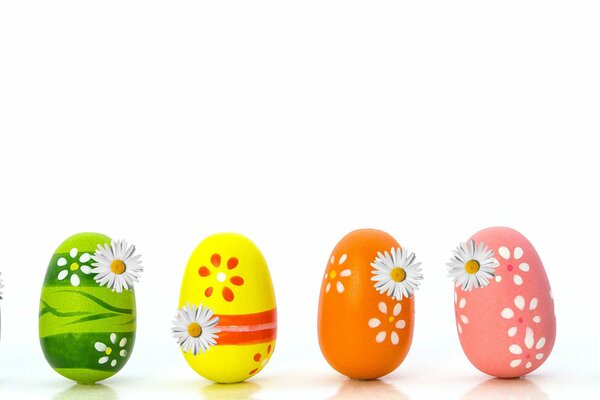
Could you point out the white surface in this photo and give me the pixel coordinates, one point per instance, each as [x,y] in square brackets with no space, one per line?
[294,123]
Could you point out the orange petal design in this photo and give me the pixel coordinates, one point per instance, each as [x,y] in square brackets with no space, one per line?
[227,294]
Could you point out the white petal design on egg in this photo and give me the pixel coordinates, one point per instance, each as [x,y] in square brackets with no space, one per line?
[380,337]
[498,278]
[113,338]
[401,324]
[85,257]
[75,280]
[537,319]
[343,259]
[331,260]
[533,304]
[515,363]
[463,303]
[73,253]
[528,365]
[512,331]
[374,323]
[518,280]
[382,307]
[459,328]
[504,252]
[464,319]
[62,274]
[520,302]
[539,356]
[113,363]
[515,349]
[103,360]
[518,253]
[61,262]
[101,347]
[541,343]
[328,287]
[123,353]
[86,269]
[340,287]
[507,313]
[529,338]
[397,309]
[345,273]
[123,342]
[395,338]
[524,267]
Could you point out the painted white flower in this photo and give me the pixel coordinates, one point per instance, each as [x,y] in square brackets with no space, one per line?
[195,328]
[76,262]
[528,352]
[461,319]
[516,256]
[116,266]
[1,286]
[472,266]
[336,273]
[111,350]
[522,314]
[396,273]
[391,321]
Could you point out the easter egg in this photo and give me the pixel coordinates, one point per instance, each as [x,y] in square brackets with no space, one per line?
[503,303]
[366,306]
[87,316]
[226,324]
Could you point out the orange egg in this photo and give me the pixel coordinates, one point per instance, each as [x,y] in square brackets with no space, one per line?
[365,332]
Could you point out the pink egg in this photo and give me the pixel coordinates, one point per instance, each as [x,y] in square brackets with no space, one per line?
[507,326]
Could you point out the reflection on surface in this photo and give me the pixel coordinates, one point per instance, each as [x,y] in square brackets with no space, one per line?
[243,390]
[506,389]
[87,392]
[376,389]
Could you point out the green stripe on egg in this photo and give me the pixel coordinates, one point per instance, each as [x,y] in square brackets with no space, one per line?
[86,331]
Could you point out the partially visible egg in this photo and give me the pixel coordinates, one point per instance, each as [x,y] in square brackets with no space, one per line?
[87,320]
[366,332]
[227,318]
[507,326]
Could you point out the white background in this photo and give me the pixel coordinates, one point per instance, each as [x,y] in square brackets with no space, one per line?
[294,123]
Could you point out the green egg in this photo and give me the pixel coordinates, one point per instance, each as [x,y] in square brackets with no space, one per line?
[87,331]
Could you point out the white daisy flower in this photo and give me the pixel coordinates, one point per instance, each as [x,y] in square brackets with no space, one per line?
[472,266]
[396,273]
[75,262]
[111,350]
[195,328]
[116,266]
[1,286]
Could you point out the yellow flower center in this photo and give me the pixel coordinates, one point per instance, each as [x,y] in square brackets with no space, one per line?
[108,351]
[398,274]
[472,267]
[117,267]
[332,274]
[74,266]
[194,329]
[391,319]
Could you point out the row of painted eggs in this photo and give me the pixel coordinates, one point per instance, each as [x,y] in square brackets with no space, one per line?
[226,323]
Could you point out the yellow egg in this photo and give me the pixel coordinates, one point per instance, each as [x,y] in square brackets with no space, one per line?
[227,318]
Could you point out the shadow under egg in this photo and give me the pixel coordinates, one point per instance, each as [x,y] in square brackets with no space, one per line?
[233,391]
[509,389]
[87,392]
[360,390]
